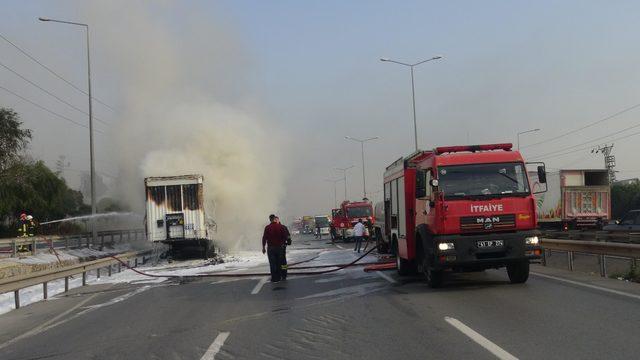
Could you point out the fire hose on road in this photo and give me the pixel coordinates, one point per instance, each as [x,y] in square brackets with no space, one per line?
[337,267]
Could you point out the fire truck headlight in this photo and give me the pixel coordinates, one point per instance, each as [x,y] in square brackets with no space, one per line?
[446,246]
[533,240]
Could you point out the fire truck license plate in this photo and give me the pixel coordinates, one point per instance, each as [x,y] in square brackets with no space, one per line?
[490,243]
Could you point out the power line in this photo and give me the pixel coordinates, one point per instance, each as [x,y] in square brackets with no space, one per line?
[54,73]
[50,94]
[590,141]
[584,148]
[86,171]
[584,127]
[47,110]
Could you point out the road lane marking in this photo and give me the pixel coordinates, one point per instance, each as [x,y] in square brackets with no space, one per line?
[386,277]
[46,325]
[116,299]
[215,346]
[259,285]
[617,292]
[496,350]
[339,247]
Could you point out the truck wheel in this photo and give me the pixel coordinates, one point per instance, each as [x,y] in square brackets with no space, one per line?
[402,264]
[434,277]
[518,272]
[383,247]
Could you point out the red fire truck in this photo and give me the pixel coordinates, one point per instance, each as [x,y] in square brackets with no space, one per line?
[344,218]
[461,208]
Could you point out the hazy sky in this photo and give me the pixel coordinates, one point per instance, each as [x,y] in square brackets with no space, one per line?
[312,72]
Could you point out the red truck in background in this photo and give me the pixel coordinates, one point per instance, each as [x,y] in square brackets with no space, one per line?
[461,208]
[344,218]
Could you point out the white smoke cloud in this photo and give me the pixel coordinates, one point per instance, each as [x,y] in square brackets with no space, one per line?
[176,118]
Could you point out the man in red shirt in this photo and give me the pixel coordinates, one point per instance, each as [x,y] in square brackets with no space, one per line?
[275,238]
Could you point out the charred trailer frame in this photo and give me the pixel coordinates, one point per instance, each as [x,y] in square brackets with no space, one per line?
[175,213]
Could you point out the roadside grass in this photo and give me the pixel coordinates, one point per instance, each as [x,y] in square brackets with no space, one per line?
[633,274]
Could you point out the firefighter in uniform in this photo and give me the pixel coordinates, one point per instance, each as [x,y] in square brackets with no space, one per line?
[274,239]
[283,266]
[25,229]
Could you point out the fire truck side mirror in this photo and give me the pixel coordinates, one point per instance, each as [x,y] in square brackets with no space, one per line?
[421,184]
[542,175]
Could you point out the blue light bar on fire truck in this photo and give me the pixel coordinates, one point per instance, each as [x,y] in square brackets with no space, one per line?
[473,148]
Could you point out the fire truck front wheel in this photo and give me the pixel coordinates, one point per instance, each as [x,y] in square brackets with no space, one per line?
[433,277]
[518,272]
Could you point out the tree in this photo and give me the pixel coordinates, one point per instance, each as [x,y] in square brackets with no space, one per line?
[34,188]
[27,185]
[624,198]
[13,138]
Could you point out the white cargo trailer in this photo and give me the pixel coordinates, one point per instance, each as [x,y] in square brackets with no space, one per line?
[175,212]
[574,198]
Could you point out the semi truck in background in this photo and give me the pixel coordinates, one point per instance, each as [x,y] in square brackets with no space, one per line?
[296,226]
[308,224]
[323,222]
[575,199]
[461,208]
[347,215]
[175,213]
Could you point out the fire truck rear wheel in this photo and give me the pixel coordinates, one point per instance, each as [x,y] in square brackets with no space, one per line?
[518,272]
[402,264]
[383,247]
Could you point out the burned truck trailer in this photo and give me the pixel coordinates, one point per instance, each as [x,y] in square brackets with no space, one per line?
[175,213]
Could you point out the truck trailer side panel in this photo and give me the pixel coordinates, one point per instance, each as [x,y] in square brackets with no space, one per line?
[581,197]
[175,208]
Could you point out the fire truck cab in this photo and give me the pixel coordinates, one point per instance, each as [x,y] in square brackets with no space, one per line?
[344,218]
[461,208]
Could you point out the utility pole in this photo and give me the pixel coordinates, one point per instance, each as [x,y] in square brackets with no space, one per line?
[609,160]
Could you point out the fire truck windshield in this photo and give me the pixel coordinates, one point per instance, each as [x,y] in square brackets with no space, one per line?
[356,212]
[483,180]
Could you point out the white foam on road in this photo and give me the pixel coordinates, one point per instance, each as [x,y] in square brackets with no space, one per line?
[215,346]
[595,287]
[496,350]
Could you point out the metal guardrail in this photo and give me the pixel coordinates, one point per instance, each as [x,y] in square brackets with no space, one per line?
[604,236]
[601,249]
[16,283]
[11,245]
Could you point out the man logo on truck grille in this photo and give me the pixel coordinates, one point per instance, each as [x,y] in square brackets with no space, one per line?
[488,221]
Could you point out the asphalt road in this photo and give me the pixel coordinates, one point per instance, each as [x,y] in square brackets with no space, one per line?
[343,315]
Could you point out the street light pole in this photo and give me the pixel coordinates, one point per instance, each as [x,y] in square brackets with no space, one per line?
[413,91]
[524,132]
[94,231]
[335,191]
[344,178]
[362,141]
